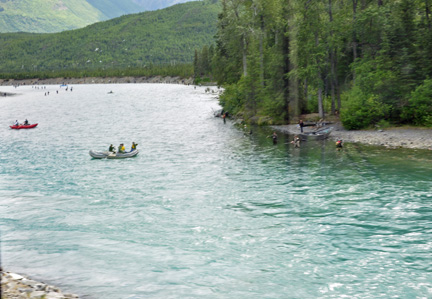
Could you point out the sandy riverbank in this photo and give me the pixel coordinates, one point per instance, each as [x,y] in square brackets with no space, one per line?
[414,138]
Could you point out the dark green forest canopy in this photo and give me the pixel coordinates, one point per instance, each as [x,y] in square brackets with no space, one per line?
[167,36]
[369,60]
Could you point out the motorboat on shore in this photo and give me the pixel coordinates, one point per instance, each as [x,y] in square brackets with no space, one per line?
[112,155]
[18,127]
[320,134]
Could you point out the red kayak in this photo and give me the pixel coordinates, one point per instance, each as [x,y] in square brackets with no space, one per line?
[23,126]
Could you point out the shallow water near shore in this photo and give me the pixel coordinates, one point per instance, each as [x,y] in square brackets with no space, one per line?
[206,210]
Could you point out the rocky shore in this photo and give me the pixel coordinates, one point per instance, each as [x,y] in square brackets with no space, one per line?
[414,138]
[15,286]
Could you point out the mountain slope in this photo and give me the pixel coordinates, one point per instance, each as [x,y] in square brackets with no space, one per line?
[157,4]
[47,16]
[164,36]
[114,8]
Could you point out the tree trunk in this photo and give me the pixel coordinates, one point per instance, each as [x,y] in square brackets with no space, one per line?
[261,49]
[290,107]
[336,82]
[332,61]
[244,44]
[320,102]
[427,7]
[319,80]
[354,37]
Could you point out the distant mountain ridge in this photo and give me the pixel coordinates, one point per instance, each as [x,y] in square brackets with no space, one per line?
[48,16]
[166,36]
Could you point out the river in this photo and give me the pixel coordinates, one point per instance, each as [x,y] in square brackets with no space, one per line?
[206,210]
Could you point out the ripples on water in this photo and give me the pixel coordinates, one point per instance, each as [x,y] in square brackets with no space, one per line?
[206,210]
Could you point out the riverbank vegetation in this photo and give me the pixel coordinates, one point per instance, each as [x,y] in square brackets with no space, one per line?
[367,60]
[184,70]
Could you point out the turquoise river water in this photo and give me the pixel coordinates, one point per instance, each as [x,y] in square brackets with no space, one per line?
[205,210]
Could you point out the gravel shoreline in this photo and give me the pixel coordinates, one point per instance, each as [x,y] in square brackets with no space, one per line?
[97,80]
[412,138]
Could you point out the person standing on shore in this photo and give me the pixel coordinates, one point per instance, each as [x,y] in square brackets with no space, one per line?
[301,124]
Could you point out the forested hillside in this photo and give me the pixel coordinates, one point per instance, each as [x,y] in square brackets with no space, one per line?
[48,16]
[167,36]
[369,60]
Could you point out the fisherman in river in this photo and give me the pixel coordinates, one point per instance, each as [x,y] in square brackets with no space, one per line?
[296,141]
[274,137]
[339,144]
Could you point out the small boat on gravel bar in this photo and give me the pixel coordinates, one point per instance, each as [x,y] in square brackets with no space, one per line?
[18,127]
[316,135]
[112,155]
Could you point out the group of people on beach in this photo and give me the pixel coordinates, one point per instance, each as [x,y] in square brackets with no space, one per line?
[121,148]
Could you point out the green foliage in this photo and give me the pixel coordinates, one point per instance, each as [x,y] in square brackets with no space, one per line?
[362,110]
[419,110]
[203,63]
[301,56]
[383,124]
[137,41]
[180,70]
[232,99]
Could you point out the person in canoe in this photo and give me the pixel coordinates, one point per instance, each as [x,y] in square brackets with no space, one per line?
[111,149]
[134,146]
[26,122]
[121,148]
[16,123]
